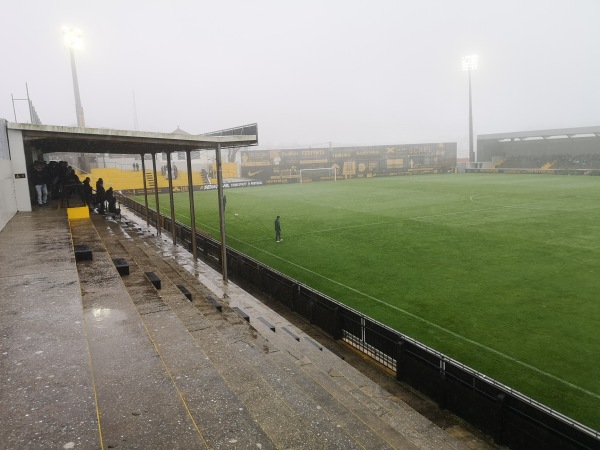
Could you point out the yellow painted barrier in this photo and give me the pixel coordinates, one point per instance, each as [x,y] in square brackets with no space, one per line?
[82,212]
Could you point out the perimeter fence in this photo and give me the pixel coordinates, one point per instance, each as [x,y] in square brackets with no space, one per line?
[511,418]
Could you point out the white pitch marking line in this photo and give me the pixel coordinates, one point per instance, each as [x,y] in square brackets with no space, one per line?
[524,205]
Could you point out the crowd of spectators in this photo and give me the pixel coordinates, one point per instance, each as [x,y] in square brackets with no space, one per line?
[54,180]
[165,171]
[58,181]
[103,201]
[585,161]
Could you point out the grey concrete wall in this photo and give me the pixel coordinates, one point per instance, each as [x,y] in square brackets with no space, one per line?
[19,166]
[8,205]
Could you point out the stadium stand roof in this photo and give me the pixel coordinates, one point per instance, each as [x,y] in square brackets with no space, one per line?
[544,134]
[52,139]
[180,131]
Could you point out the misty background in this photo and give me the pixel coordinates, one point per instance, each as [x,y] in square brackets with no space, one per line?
[310,73]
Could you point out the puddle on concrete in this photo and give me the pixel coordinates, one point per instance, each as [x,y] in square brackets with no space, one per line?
[101,314]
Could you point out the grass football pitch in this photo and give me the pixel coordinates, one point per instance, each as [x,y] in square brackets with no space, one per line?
[501,272]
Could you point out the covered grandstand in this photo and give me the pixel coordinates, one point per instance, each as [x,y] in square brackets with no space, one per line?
[561,151]
[26,143]
[286,165]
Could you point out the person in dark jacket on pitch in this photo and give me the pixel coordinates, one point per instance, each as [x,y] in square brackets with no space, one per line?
[278,230]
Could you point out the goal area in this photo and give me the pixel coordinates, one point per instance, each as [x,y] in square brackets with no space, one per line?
[318,174]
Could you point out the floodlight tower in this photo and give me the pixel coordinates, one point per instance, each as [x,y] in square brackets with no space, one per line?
[469,63]
[73,41]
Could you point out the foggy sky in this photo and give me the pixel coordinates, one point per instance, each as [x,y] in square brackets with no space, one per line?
[308,72]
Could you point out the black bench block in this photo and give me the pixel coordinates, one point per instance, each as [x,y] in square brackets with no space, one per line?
[83,252]
[269,326]
[153,279]
[291,334]
[185,292]
[314,343]
[338,354]
[215,303]
[122,266]
[242,314]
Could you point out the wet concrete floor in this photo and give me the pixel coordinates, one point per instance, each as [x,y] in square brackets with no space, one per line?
[46,389]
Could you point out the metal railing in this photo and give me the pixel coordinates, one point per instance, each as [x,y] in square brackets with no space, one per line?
[510,417]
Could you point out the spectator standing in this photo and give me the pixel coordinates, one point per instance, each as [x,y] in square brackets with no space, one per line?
[72,184]
[62,176]
[112,202]
[39,178]
[278,230]
[72,178]
[86,192]
[52,171]
[100,196]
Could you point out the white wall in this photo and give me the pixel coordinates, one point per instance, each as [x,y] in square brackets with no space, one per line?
[19,165]
[8,204]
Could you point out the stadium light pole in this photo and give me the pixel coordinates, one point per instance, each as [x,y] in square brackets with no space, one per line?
[469,63]
[73,41]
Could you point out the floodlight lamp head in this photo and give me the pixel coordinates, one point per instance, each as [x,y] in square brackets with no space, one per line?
[469,62]
[72,38]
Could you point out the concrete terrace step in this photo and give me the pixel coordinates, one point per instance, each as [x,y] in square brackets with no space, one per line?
[127,179]
[386,415]
[309,400]
[353,401]
[241,361]
[137,399]
[221,419]
[352,387]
